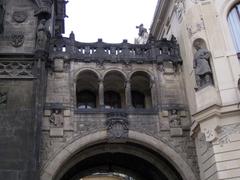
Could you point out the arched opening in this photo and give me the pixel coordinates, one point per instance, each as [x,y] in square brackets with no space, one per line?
[130,159]
[114,90]
[234,26]
[141,90]
[87,90]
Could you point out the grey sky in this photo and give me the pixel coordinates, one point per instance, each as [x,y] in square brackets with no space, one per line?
[111,20]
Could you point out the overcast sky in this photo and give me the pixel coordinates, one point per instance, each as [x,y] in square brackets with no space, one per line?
[111,20]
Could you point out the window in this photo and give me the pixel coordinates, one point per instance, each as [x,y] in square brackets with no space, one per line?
[234,25]
[138,99]
[112,100]
[86,100]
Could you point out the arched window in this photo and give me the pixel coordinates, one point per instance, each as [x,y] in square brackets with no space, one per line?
[138,99]
[86,100]
[234,25]
[112,100]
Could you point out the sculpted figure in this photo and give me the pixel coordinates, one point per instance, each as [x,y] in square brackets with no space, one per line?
[56,119]
[201,65]
[143,35]
[43,35]
[2,13]
[175,120]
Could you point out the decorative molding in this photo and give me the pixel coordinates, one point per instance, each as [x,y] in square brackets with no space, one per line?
[20,16]
[16,69]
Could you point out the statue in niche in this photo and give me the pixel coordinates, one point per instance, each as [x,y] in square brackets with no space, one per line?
[43,35]
[142,35]
[175,120]
[201,65]
[2,13]
[56,118]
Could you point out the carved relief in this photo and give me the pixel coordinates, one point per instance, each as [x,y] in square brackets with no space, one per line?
[175,120]
[17,39]
[16,70]
[180,9]
[195,28]
[225,132]
[56,118]
[19,16]
[117,126]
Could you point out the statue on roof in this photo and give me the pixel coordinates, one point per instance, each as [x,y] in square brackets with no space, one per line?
[142,35]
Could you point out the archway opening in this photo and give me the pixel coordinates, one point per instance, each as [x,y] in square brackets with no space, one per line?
[129,161]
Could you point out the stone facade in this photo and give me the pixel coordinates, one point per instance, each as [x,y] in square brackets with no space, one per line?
[214,108]
[179,130]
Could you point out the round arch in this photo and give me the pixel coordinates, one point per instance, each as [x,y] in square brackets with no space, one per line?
[140,70]
[83,70]
[118,71]
[65,153]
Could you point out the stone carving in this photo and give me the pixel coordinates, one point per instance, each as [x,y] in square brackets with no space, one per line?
[17,39]
[117,126]
[210,134]
[20,16]
[43,36]
[193,29]
[3,99]
[180,9]
[225,132]
[202,143]
[16,70]
[175,120]
[142,35]
[201,66]
[56,118]
[44,8]
[2,13]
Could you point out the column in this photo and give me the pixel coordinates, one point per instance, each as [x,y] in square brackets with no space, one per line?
[128,94]
[101,93]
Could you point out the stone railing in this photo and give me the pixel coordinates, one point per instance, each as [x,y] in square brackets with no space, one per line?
[100,52]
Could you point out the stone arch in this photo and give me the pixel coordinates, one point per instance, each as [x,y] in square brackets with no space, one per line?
[151,76]
[55,163]
[115,70]
[86,89]
[141,92]
[82,70]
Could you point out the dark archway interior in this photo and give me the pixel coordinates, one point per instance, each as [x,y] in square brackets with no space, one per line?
[127,159]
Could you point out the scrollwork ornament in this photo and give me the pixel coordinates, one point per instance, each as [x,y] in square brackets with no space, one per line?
[19,16]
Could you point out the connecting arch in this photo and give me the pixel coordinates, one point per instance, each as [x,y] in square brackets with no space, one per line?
[57,163]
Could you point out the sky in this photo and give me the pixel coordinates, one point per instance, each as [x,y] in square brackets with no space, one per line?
[111,20]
